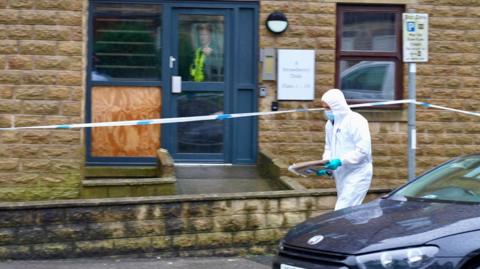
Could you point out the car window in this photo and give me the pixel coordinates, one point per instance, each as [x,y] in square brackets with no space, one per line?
[369,78]
[458,180]
[373,80]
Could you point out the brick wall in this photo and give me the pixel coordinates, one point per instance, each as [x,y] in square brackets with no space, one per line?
[41,82]
[450,78]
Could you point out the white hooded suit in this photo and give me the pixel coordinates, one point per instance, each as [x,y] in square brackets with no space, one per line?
[348,139]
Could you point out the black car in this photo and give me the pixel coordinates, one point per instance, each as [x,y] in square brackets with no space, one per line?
[431,222]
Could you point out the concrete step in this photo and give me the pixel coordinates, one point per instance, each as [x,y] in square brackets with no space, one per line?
[127,187]
[120,171]
[92,182]
[222,179]
[216,171]
[226,185]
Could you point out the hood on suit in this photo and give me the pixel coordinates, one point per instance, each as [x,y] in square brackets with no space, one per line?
[336,101]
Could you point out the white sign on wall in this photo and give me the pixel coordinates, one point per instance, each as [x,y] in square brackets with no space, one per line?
[415,37]
[296,74]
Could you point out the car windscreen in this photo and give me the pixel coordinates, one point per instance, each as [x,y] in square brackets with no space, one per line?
[455,181]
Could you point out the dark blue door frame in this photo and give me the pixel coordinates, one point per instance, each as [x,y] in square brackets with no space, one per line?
[196,87]
[240,137]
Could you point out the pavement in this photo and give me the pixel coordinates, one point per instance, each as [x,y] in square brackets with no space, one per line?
[249,262]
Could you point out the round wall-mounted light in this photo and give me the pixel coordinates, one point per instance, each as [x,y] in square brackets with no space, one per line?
[277,22]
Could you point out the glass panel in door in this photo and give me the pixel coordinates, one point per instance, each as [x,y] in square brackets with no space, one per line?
[200,50]
[200,136]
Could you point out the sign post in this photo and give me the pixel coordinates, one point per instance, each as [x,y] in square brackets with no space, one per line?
[415,49]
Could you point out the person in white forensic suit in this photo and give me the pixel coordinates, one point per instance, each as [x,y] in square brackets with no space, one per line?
[348,150]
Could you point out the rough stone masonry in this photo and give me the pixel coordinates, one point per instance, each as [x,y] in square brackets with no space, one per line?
[235,224]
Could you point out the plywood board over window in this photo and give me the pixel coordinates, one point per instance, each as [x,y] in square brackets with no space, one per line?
[122,104]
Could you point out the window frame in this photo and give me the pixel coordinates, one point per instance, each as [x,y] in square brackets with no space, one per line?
[158,82]
[395,56]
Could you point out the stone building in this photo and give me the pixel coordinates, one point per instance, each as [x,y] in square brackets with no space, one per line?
[75,61]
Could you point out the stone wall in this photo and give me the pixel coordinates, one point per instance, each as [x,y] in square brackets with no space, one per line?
[450,78]
[41,83]
[233,224]
[298,136]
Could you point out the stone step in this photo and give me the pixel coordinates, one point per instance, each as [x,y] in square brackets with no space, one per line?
[120,171]
[127,181]
[216,172]
[127,187]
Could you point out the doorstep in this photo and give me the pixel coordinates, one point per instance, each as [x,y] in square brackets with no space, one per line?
[93,172]
[127,187]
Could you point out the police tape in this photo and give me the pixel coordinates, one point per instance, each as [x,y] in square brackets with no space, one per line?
[223,116]
[424,104]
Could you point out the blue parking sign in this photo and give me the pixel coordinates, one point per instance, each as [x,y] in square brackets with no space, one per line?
[411,26]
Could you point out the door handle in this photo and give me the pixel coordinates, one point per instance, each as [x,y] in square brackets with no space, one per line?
[171,61]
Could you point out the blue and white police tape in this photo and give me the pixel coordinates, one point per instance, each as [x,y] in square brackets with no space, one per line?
[221,116]
[447,108]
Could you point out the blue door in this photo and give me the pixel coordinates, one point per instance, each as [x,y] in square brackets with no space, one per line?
[206,52]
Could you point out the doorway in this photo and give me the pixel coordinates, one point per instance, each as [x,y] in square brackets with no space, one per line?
[207,54]
[211,48]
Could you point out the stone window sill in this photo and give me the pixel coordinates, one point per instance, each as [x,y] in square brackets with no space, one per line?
[400,115]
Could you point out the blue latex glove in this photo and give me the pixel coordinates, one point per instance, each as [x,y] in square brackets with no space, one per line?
[333,164]
[321,172]
[324,172]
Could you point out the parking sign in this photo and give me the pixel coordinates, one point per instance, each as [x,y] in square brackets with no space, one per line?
[415,37]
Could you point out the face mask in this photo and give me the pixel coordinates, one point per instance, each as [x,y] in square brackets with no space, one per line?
[329,115]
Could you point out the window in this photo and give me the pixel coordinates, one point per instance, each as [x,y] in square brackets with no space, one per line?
[201,45]
[126,42]
[369,59]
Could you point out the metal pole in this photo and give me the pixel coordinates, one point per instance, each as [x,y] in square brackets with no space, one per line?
[412,131]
